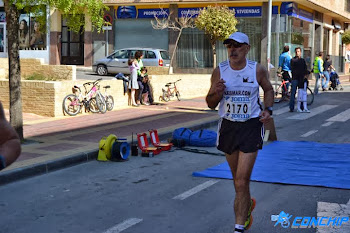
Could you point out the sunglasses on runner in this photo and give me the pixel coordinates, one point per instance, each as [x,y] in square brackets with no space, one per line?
[234,44]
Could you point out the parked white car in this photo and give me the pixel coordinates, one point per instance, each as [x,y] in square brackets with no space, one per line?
[117,62]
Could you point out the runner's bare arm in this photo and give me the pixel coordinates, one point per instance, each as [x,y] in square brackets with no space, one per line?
[10,145]
[264,82]
[216,90]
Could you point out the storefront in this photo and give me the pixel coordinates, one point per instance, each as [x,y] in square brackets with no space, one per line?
[133,28]
[292,24]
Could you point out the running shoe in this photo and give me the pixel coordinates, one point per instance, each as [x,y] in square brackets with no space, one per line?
[249,221]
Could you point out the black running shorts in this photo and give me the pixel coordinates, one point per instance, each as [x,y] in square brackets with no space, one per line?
[244,136]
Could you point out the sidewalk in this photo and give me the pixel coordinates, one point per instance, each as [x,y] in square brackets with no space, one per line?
[60,142]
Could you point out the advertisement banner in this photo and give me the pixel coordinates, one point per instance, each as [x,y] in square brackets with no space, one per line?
[131,12]
[250,11]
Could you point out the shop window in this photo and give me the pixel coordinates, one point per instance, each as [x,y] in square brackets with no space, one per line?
[32,31]
[194,49]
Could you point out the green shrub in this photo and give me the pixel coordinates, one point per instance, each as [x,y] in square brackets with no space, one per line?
[37,76]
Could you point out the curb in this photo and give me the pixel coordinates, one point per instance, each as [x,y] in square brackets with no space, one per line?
[72,160]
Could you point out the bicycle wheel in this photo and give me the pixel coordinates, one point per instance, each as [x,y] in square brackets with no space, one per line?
[109,102]
[278,94]
[310,96]
[101,103]
[71,105]
[178,95]
[166,96]
[93,106]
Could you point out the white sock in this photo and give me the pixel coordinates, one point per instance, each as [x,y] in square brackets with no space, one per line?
[239,228]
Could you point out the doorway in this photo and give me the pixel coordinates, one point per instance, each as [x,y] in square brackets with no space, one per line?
[72,52]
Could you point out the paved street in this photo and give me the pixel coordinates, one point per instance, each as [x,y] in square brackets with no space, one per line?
[151,195]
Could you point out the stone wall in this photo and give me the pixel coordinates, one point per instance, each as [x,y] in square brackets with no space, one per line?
[31,66]
[45,98]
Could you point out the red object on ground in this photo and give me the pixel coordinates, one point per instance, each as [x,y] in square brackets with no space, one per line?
[153,133]
[143,144]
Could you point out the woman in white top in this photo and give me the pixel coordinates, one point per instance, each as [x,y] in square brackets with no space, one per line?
[133,85]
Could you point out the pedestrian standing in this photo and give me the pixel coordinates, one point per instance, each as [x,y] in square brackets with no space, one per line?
[235,88]
[318,70]
[327,67]
[139,57]
[299,70]
[284,66]
[133,85]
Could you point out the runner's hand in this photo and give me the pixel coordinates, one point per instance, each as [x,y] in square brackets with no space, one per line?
[265,116]
[220,87]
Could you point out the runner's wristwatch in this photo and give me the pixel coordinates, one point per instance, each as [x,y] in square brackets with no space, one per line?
[2,162]
[269,109]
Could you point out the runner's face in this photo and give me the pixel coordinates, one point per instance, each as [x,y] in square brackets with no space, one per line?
[237,52]
[298,53]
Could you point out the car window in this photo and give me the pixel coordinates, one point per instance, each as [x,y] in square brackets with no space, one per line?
[121,54]
[150,55]
[164,55]
[132,53]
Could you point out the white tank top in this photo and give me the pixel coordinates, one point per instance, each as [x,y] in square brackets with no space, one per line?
[241,100]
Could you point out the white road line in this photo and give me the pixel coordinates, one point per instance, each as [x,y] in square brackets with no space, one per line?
[280,111]
[308,133]
[195,190]
[314,112]
[327,123]
[124,225]
[326,209]
[342,117]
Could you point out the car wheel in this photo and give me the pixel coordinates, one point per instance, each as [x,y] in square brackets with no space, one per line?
[102,70]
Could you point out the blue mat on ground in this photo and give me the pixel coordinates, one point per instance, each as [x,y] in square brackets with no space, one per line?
[301,163]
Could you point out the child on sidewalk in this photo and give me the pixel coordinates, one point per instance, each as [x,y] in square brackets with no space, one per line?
[302,94]
[145,91]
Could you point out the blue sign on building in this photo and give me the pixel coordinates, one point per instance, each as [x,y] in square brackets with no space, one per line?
[290,8]
[150,13]
[254,11]
[186,12]
[126,12]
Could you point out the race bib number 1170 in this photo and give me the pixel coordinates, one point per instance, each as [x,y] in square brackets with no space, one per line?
[237,108]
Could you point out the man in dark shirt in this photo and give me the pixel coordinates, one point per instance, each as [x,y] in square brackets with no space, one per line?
[299,70]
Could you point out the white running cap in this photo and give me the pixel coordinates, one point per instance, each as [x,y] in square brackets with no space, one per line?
[239,37]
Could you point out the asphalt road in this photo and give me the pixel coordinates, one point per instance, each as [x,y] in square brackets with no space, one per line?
[153,195]
[89,75]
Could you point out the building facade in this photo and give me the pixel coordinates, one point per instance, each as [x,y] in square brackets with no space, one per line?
[309,24]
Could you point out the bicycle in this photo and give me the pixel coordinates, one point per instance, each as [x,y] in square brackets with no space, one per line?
[92,100]
[281,93]
[171,91]
[108,98]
